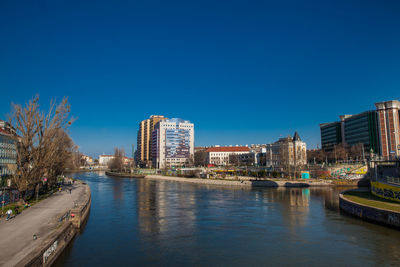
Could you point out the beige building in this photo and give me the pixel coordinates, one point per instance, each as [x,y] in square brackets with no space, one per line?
[287,152]
[146,128]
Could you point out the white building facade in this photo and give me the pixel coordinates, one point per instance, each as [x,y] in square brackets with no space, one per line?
[173,143]
[105,159]
[222,156]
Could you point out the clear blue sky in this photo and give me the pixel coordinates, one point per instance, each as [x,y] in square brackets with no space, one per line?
[243,71]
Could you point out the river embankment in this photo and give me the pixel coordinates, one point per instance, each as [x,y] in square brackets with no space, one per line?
[124,175]
[37,236]
[85,170]
[245,182]
[362,204]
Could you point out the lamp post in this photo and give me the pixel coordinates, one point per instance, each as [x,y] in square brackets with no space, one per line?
[2,203]
[363,155]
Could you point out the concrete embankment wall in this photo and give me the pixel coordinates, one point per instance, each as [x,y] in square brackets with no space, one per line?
[376,215]
[241,182]
[49,250]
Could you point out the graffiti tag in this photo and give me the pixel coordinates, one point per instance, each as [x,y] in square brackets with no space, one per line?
[49,251]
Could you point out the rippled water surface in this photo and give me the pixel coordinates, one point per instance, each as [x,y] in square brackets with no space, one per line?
[141,222]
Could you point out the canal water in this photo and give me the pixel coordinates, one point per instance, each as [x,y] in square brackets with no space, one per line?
[152,223]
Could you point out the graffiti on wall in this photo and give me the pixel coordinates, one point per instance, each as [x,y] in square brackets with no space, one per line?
[49,251]
[385,191]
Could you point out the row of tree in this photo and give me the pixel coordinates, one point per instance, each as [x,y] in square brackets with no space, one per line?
[44,147]
[339,153]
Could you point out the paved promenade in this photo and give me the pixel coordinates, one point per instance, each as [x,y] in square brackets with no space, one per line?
[16,235]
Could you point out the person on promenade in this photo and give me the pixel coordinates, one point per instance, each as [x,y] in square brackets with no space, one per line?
[70,190]
[9,213]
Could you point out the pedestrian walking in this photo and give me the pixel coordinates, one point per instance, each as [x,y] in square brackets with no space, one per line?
[9,213]
[70,190]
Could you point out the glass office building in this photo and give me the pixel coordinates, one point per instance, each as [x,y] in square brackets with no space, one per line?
[8,153]
[331,135]
[362,129]
[172,143]
[352,130]
[177,143]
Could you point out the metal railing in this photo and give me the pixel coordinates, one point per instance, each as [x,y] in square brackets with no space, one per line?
[393,180]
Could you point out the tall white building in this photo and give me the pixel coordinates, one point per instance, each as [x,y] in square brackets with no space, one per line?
[173,143]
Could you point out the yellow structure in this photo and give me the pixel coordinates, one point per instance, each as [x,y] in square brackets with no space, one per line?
[387,191]
[361,170]
[146,128]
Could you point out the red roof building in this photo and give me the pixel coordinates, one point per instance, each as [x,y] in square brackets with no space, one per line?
[225,155]
[228,149]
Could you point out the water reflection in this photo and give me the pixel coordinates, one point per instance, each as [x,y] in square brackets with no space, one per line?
[160,210]
[171,223]
[118,193]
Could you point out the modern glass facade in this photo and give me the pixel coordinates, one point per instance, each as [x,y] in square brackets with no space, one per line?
[172,143]
[177,143]
[331,135]
[8,154]
[362,129]
[351,130]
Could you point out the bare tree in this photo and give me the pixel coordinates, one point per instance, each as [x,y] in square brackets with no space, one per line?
[60,151]
[356,151]
[117,163]
[316,156]
[200,158]
[340,152]
[190,161]
[43,144]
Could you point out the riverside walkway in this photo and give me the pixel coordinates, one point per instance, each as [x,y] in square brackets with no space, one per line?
[16,235]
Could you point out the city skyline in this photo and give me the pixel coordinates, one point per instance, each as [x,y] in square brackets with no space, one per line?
[242,74]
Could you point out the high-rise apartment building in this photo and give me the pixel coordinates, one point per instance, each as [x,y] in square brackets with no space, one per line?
[173,143]
[144,142]
[389,128]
